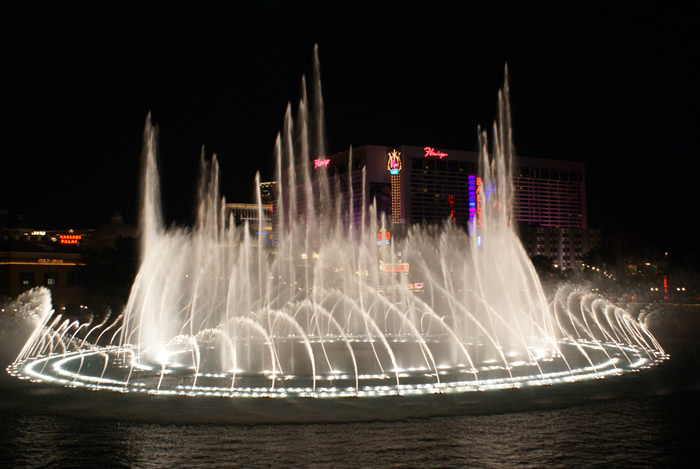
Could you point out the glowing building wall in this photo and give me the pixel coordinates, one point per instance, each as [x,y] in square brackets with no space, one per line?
[550,193]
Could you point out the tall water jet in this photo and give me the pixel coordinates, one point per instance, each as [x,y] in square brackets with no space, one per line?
[150,217]
[216,310]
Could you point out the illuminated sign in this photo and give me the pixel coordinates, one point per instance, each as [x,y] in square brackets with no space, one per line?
[395,268]
[383,238]
[38,233]
[321,163]
[451,200]
[50,261]
[394,163]
[475,199]
[70,238]
[430,151]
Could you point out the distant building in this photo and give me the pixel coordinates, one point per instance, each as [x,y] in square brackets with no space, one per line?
[267,192]
[429,185]
[550,193]
[32,258]
[240,214]
[550,207]
[565,246]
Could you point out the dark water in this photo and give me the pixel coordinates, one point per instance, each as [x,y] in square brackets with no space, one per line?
[658,426]
[655,431]
[654,423]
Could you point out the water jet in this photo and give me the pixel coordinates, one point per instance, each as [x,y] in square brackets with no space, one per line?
[217,313]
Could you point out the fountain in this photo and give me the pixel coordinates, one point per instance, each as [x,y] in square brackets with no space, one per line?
[216,312]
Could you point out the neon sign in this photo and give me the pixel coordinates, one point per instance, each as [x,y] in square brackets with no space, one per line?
[475,199]
[321,163]
[394,163]
[70,238]
[451,200]
[430,151]
[383,238]
[396,268]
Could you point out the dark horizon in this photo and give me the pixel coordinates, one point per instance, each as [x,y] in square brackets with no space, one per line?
[614,88]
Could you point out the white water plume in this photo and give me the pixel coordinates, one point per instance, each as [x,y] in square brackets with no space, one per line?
[216,309]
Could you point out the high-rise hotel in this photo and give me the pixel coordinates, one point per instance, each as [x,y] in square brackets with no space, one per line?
[428,185]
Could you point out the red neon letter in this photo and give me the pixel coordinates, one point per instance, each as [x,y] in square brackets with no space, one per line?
[318,163]
[430,151]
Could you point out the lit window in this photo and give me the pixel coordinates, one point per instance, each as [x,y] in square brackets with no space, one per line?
[50,279]
[26,279]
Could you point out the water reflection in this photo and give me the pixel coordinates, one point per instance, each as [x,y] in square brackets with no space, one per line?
[642,432]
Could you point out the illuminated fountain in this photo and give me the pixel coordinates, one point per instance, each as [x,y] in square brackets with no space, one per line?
[216,311]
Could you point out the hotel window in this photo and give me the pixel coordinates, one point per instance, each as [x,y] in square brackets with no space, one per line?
[50,279]
[26,279]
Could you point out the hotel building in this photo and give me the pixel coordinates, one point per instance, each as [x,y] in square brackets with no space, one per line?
[31,258]
[240,214]
[428,185]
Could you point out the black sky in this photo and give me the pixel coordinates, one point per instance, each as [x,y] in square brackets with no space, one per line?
[614,87]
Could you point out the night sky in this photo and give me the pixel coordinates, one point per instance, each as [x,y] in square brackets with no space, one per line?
[616,88]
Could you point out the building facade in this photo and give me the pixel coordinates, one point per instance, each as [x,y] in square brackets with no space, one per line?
[429,185]
[33,258]
[55,259]
[550,193]
[258,218]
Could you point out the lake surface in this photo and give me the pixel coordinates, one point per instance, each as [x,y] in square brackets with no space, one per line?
[654,431]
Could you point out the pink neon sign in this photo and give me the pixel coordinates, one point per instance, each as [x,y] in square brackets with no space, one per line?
[430,151]
[321,162]
[394,167]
